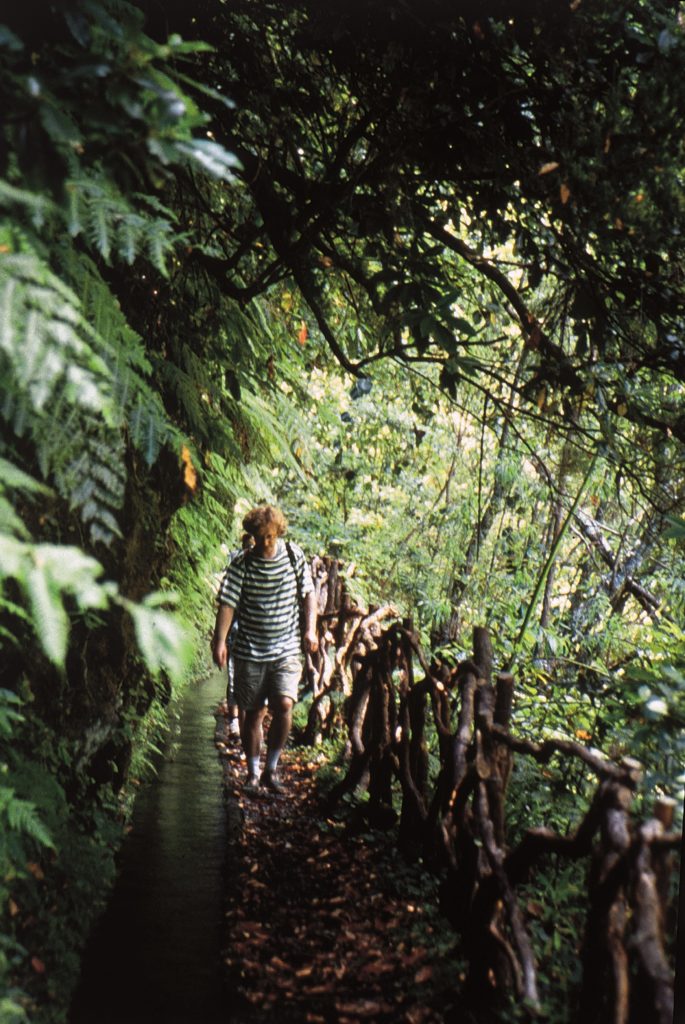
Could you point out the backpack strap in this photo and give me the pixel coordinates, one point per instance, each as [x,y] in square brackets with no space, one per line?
[291,556]
[300,600]
[248,556]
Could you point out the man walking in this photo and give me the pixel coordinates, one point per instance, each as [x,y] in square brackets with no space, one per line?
[235,716]
[265,587]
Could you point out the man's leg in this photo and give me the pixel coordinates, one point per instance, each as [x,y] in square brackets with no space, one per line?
[248,683]
[284,678]
[281,709]
[251,734]
[232,706]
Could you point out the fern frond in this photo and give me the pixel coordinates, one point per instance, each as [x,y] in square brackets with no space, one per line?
[64,359]
[22,817]
[140,408]
[130,237]
[150,429]
[45,574]
[44,334]
[275,430]
[159,243]
[37,204]
[99,213]
[75,211]
[9,713]
[95,482]
[12,608]
[11,477]
[155,204]
[116,228]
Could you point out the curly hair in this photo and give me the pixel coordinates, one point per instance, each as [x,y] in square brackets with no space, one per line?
[264,515]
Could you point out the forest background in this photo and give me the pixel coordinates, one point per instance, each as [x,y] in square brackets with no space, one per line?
[414,274]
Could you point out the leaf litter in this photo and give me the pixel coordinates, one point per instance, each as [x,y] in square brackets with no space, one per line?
[317,929]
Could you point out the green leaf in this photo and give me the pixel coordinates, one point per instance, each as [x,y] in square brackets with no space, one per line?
[12,554]
[59,125]
[676,530]
[23,817]
[216,160]
[9,41]
[36,202]
[443,337]
[163,640]
[206,90]
[179,45]
[49,616]
[13,477]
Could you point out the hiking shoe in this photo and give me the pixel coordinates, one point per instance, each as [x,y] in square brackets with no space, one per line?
[251,785]
[270,780]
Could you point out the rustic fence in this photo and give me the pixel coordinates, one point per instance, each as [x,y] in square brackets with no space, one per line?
[364,673]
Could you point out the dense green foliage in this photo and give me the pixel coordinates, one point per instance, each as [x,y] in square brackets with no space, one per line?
[417,276]
[103,425]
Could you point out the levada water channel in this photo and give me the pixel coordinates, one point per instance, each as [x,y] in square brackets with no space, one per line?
[154,955]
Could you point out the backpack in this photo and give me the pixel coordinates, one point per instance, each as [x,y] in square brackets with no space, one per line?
[300,602]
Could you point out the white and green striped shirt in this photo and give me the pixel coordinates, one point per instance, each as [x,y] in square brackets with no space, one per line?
[263,592]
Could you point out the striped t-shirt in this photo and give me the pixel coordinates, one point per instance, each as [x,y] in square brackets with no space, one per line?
[263,592]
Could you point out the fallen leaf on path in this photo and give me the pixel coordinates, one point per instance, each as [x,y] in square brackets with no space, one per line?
[280,964]
[363,1008]
[376,968]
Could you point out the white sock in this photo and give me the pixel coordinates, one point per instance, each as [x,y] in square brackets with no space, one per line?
[253,765]
[272,757]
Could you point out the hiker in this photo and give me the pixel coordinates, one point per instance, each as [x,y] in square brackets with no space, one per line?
[235,715]
[266,587]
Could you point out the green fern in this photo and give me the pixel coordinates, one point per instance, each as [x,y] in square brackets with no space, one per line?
[16,815]
[130,237]
[149,428]
[140,408]
[9,712]
[95,483]
[22,817]
[44,338]
[98,224]
[38,205]
[11,479]
[65,359]
[276,430]
[113,226]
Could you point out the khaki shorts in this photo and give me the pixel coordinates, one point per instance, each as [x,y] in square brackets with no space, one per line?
[257,681]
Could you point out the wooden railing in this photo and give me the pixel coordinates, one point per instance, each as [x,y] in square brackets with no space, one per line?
[456,823]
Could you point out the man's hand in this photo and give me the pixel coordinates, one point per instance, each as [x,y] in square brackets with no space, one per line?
[311,641]
[219,652]
[224,618]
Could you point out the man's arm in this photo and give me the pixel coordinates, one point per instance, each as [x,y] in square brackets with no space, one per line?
[311,640]
[224,618]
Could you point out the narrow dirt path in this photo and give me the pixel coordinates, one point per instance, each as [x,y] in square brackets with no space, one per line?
[320,924]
